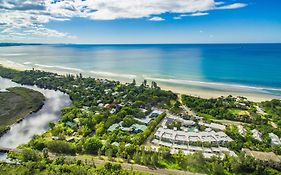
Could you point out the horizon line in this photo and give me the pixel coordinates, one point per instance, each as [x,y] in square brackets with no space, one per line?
[210,43]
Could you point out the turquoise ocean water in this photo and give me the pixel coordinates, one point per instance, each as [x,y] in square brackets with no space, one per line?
[220,67]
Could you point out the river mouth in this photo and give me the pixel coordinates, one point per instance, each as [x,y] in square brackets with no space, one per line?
[35,123]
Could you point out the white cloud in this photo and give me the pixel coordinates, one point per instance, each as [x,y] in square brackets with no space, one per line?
[156,18]
[199,14]
[23,16]
[192,14]
[231,6]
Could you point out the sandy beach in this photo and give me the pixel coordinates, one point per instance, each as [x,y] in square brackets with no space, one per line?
[256,97]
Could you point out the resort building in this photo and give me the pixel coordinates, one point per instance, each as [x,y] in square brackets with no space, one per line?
[171,137]
[207,152]
[256,135]
[212,125]
[274,139]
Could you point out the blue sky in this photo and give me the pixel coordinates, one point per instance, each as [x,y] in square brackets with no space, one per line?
[140,21]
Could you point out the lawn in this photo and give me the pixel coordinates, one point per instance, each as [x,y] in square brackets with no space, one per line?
[239,112]
[16,104]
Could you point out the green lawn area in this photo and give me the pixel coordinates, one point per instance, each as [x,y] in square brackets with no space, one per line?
[17,103]
[239,112]
[205,116]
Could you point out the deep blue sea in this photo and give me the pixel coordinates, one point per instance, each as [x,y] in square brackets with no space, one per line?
[221,67]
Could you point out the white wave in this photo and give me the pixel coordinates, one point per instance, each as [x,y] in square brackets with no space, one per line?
[26,63]
[59,67]
[13,54]
[9,62]
[111,74]
[208,84]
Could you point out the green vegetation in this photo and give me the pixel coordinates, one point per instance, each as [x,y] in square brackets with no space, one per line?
[231,108]
[31,162]
[241,110]
[273,109]
[99,104]
[63,167]
[17,103]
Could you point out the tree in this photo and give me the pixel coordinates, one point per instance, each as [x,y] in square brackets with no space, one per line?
[144,83]
[134,82]
[154,85]
[154,159]
[128,121]
[29,155]
[100,128]
[109,153]
[92,145]
[59,146]
[99,152]
[217,168]
[45,152]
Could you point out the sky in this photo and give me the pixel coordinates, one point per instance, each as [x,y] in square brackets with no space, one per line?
[140,21]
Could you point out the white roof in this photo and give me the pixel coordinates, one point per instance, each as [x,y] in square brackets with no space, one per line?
[213,125]
[165,133]
[274,139]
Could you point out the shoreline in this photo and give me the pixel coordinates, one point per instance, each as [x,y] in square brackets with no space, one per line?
[254,96]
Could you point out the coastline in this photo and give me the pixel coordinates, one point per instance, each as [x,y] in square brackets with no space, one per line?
[203,93]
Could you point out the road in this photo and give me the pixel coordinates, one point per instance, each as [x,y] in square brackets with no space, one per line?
[135,167]
[128,166]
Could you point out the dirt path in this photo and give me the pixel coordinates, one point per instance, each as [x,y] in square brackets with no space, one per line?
[127,166]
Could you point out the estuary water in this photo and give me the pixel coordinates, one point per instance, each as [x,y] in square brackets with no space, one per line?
[247,68]
[35,123]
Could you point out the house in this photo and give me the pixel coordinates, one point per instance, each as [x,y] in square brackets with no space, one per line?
[107,106]
[274,139]
[143,110]
[114,93]
[55,138]
[100,105]
[112,111]
[184,122]
[256,135]
[138,128]
[115,143]
[77,121]
[69,139]
[126,129]
[149,117]
[113,127]
[241,130]
[70,124]
[99,101]
[213,125]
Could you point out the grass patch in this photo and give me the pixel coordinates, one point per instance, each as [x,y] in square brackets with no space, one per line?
[239,112]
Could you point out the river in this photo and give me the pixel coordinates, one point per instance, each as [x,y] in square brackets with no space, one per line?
[35,123]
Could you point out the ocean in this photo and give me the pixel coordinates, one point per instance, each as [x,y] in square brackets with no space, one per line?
[247,68]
